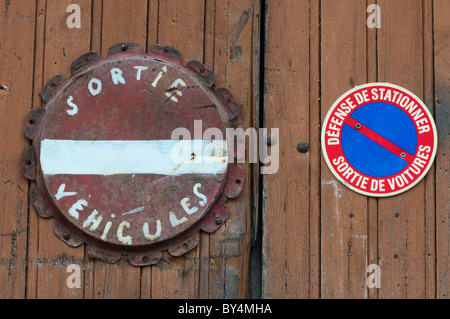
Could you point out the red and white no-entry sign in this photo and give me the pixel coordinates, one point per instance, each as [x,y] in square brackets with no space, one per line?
[104,152]
[379,139]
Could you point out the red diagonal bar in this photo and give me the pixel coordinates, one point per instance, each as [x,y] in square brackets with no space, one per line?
[379,139]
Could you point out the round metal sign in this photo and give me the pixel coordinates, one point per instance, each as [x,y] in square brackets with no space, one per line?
[379,139]
[109,162]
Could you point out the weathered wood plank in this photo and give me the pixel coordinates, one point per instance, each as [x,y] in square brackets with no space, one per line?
[286,213]
[17,21]
[344,238]
[442,103]
[62,46]
[208,61]
[96,28]
[233,61]
[33,218]
[96,38]
[402,239]
[123,22]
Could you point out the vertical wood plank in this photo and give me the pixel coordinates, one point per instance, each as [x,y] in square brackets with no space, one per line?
[121,22]
[33,217]
[96,43]
[233,60]
[402,239]
[208,61]
[97,22]
[344,238]
[17,21]
[153,22]
[286,214]
[52,256]
[442,102]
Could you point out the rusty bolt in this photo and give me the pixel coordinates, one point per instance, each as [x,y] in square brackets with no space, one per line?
[303,147]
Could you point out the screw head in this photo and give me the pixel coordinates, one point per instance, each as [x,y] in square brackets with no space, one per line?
[124,47]
[303,147]
[397,214]
[349,253]
[218,220]
[66,236]
[351,215]
[358,126]
[402,154]
[395,255]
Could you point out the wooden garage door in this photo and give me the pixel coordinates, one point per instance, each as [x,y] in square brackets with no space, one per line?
[297,233]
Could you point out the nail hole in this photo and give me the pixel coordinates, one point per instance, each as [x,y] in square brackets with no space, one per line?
[165,52]
[145,259]
[32,122]
[229,101]
[185,246]
[238,182]
[85,60]
[28,163]
[52,85]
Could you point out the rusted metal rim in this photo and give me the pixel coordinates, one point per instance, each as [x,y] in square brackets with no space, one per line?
[37,128]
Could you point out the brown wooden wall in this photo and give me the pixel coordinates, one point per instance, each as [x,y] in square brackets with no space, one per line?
[290,234]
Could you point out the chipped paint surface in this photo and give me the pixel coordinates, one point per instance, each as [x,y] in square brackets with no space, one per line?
[75,157]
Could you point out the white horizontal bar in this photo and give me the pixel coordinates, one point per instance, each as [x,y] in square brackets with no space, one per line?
[165,157]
